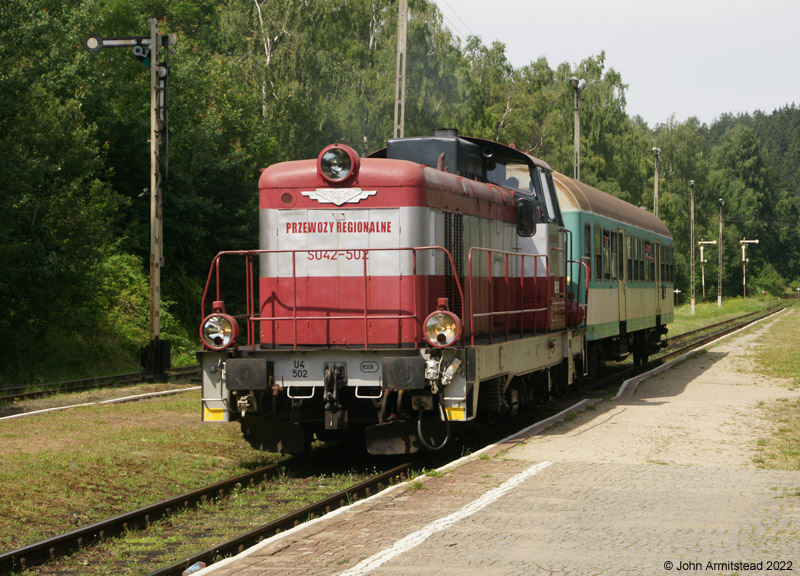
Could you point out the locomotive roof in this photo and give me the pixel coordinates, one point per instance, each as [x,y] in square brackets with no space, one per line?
[507,153]
[498,152]
[574,195]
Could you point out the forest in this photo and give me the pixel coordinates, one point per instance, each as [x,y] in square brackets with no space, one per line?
[254,82]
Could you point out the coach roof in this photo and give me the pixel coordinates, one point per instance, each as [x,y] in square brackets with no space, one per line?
[577,196]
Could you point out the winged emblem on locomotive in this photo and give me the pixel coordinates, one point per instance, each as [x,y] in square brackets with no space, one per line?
[339,196]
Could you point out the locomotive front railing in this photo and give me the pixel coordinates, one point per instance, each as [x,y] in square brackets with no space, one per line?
[253,320]
[253,316]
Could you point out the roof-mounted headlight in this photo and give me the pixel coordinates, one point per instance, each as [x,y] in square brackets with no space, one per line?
[442,328]
[219,331]
[337,163]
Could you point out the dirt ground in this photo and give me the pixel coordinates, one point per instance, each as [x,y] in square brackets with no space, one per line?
[708,412]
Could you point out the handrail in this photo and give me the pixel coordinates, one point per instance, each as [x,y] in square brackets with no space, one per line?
[252,318]
[585,305]
[517,311]
[253,309]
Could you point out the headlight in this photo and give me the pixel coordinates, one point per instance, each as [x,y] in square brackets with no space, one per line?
[338,163]
[219,331]
[442,328]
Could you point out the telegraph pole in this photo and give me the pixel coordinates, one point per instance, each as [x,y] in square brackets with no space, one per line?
[155,358]
[657,154]
[719,256]
[400,84]
[691,241]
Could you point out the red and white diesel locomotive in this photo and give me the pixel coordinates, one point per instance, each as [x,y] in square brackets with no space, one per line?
[397,296]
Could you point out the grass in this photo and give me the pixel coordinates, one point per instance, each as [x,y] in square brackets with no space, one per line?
[709,313]
[64,470]
[141,552]
[90,463]
[778,356]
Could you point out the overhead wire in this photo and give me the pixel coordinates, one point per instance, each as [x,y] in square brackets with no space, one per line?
[453,26]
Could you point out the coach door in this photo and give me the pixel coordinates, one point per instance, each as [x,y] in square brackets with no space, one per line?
[657,277]
[618,261]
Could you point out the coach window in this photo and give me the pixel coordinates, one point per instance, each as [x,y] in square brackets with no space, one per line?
[606,242]
[648,257]
[613,255]
[665,264]
[642,267]
[630,257]
[587,244]
[598,252]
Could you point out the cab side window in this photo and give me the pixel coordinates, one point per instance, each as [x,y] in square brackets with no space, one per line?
[549,195]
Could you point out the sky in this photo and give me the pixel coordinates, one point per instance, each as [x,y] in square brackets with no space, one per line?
[679,58]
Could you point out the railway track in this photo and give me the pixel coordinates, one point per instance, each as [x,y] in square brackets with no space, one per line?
[16,393]
[717,328]
[68,543]
[238,544]
[141,519]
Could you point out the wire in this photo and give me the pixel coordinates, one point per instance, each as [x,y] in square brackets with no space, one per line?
[453,27]
[471,33]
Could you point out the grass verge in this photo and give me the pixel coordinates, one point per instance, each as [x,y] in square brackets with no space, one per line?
[63,470]
[779,356]
[708,312]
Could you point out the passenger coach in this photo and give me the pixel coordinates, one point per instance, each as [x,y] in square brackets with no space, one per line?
[630,254]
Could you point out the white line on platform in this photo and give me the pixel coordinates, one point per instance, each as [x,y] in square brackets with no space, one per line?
[415,539]
[112,401]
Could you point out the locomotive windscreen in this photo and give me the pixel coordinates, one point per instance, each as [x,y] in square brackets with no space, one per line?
[460,157]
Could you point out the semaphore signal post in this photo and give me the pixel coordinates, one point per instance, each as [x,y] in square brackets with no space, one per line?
[155,358]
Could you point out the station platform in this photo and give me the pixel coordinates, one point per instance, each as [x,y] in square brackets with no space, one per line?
[659,480]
